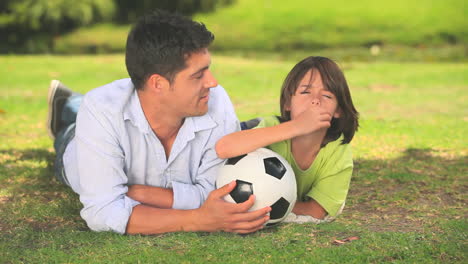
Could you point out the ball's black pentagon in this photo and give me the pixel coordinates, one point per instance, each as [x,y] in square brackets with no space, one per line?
[233,161]
[242,191]
[279,209]
[274,167]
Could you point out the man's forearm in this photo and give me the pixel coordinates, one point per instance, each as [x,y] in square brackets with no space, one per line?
[150,220]
[153,196]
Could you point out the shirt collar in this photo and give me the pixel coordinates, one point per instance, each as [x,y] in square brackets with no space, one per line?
[134,113]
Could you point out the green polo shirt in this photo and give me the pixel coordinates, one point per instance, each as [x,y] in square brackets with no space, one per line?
[327,179]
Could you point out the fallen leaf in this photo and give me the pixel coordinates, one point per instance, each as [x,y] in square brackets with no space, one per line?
[339,242]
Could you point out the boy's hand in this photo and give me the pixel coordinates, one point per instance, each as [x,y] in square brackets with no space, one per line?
[312,119]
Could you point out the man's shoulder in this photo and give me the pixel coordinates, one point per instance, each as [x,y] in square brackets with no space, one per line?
[110,97]
[219,103]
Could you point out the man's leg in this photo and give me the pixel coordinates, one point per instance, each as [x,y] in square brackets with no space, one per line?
[63,108]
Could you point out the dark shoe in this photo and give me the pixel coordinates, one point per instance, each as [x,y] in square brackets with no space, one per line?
[250,123]
[57,97]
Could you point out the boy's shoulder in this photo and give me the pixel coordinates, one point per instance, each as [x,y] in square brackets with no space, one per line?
[268,121]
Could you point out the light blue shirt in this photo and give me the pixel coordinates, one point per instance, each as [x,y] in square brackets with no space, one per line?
[114,147]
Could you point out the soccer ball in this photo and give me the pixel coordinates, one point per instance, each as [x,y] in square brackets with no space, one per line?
[265,174]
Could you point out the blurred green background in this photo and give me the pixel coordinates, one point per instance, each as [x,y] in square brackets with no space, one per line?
[427,30]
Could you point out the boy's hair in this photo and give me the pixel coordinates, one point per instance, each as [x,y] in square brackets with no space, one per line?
[333,79]
[160,43]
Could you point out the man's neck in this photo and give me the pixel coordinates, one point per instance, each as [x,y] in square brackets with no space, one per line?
[165,125]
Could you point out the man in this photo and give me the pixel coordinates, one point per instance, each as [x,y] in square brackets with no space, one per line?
[141,155]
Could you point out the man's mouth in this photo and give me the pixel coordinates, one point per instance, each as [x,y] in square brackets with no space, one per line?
[205,97]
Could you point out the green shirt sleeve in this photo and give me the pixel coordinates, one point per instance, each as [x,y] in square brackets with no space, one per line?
[335,170]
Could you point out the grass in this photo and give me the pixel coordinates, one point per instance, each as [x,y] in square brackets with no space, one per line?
[407,201]
[301,24]
[399,30]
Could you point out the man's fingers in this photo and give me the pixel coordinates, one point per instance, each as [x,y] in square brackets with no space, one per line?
[252,225]
[223,191]
[245,206]
[250,216]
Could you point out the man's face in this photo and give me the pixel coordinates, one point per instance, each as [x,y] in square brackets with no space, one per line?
[189,92]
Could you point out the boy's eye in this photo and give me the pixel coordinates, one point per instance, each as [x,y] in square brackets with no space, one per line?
[305,92]
[199,76]
[327,96]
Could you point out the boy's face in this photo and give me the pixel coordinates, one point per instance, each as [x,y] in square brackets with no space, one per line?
[188,94]
[312,93]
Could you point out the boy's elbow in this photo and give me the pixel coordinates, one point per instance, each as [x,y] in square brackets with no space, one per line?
[221,150]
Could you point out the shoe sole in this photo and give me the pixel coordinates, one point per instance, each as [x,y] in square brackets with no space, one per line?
[50,99]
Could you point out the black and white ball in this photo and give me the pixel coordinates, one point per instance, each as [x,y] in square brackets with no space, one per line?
[265,174]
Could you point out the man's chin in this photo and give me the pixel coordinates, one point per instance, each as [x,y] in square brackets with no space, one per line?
[201,112]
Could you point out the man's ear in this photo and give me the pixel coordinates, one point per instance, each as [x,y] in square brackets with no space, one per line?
[157,83]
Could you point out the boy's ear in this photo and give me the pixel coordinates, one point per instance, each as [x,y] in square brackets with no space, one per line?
[337,113]
[287,107]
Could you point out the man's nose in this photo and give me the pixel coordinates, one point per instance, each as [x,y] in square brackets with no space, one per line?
[210,80]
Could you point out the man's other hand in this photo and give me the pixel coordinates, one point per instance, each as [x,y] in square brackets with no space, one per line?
[216,214]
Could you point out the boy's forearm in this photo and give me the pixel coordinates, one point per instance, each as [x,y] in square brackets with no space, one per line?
[245,141]
[311,208]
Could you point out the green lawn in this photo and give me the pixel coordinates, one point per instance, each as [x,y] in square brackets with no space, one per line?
[303,24]
[407,201]
[418,30]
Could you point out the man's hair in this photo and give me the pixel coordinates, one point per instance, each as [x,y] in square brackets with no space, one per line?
[160,43]
[334,80]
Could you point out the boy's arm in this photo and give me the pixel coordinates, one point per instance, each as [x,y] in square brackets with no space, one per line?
[311,208]
[311,120]
[245,141]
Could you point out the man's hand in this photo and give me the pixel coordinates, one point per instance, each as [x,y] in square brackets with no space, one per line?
[216,214]
[312,119]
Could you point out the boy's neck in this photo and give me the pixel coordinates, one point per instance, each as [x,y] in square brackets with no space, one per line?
[305,148]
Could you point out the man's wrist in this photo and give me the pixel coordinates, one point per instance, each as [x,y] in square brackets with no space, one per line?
[193,223]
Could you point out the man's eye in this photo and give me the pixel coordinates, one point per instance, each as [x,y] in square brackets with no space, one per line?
[199,76]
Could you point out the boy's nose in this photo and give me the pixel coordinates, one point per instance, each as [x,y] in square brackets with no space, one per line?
[315,101]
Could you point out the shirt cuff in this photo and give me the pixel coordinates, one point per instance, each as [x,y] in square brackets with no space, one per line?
[186,196]
[112,218]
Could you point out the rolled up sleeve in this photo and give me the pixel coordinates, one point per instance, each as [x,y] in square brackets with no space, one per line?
[190,196]
[100,165]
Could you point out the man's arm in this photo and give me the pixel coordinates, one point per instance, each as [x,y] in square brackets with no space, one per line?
[214,215]
[153,196]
